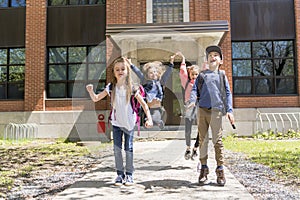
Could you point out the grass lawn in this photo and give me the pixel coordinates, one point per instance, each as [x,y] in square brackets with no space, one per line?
[24,160]
[281,155]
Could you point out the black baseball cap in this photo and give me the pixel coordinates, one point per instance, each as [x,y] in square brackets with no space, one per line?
[214,48]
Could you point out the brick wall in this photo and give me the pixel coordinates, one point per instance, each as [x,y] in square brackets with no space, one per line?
[125,11]
[199,10]
[11,106]
[35,37]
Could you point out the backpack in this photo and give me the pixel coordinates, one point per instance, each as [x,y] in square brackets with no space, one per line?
[135,104]
[222,87]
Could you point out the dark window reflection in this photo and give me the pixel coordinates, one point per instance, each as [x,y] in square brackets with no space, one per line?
[18,3]
[12,3]
[269,65]
[75,2]
[16,91]
[12,73]
[262,50]
[4,3]
[70,68]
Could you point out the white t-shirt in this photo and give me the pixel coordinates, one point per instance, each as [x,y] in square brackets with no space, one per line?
[122,113]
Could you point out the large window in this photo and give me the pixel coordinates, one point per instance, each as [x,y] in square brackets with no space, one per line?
[71,68]
[167,11]
[264,68]
[75,2]
[12,3]
[12,73]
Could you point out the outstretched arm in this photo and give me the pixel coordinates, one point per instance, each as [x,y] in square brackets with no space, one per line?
[183,71]
[135,69]
[96,97]
[168,72]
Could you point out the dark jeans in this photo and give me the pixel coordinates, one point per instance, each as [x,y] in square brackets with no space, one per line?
[118,134]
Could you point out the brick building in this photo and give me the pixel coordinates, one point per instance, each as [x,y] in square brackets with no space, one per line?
[49,51]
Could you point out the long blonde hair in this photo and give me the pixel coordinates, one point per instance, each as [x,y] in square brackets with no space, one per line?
[128,81]
[155,64]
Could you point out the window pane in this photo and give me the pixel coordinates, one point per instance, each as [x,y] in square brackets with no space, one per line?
[3,56]
[57,72]
[57,2]
[167,11]
[99,2]
[17,56]
[242,86]
[97,71]
[241,50]
[2,91]
[18,3]
[58,55]
[16,73]
[284,67]
[97,54]
[56,90]
[76,90]
[285,86]
[15,91]
[263,68]
[77,72]
[3,3]
[283,49]
[262,49]
[100,87]
[263,86]
[241,68]
[77,2]
[77,54]
[3,73]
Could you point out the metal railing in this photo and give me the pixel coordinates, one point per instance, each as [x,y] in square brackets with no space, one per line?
[15,131]
[277,121]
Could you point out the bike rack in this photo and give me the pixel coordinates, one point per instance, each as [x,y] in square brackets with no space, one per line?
[286,120]
[20,131]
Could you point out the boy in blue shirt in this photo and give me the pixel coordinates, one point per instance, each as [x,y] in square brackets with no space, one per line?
[212,93]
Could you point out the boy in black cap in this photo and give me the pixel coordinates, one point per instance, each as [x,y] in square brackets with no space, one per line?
[212,93]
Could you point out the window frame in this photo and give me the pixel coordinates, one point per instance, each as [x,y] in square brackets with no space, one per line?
[8,80]
[253,78]
[69,3]
[149,11]
[11,4]
[67,82]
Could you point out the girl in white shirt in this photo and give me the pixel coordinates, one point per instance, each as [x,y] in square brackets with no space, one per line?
[123,120]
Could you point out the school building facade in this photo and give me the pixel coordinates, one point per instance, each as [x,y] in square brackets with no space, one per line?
[49,51]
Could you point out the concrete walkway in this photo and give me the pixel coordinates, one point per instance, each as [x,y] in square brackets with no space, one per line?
[161,172]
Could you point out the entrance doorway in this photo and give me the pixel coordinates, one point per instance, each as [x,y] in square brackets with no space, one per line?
[173,99]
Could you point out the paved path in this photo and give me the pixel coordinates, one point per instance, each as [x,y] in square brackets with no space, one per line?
[161,172]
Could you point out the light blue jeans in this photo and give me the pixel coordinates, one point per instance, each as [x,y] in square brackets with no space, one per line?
[118,133]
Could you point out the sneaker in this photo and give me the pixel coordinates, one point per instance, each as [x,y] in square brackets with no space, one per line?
[119,180]
[187,154]
[194,154]
[129,180]
[220,177]
[203,176]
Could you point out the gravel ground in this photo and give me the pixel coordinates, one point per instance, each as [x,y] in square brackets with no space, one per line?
[258,179]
